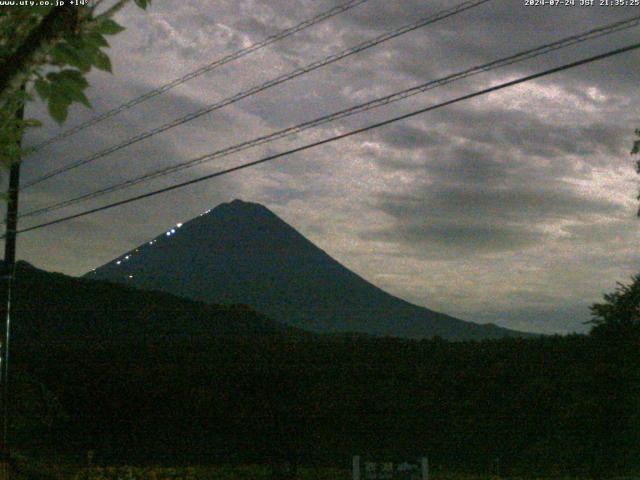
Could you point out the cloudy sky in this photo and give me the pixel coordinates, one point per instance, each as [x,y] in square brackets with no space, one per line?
[517,207]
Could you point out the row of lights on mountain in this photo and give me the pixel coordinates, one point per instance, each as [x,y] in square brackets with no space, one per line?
[172,231]
[168,233]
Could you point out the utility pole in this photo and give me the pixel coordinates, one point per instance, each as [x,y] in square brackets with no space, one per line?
[60,21]
[8,276]
[424,467]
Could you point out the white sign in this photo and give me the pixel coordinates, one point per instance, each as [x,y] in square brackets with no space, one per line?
[390,471]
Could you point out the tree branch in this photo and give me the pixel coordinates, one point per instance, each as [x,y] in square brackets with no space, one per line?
[119,5]
[17,69]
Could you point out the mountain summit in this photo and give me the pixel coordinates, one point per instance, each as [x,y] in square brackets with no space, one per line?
[241,252]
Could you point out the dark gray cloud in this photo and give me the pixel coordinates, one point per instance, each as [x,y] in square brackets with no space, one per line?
[451,239]
[408,137]
[459,215]
[529,135]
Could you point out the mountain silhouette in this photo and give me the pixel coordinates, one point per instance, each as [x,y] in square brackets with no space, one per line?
[56,309]
[242,253]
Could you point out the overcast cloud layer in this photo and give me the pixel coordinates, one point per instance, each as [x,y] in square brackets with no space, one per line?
[516,207]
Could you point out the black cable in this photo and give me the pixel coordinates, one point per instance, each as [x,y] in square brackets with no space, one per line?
[260,88]
[338,137]
[204,69]
[381,101]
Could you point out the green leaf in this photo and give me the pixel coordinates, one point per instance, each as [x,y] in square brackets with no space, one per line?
[32,122]
[72,95]
[64,53]
[12,150]
[82,98]
[58,108]
[73,77]
[86,52]
[103,62]
[142,4]
[68,87]
[43,88]
[21,96]
[96,40]
[64,94]
[109,27]
[6,160]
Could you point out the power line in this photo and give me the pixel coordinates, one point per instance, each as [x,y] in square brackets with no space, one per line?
[260,88]
[337,137]
[200,71]
[381,101]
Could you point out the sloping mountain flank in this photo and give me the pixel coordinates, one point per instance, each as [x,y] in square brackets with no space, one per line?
[241,252]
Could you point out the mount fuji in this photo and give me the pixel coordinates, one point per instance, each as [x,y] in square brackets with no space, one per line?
[242,253]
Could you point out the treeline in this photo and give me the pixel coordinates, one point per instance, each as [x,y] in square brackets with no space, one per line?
[147,378]
[552,405]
